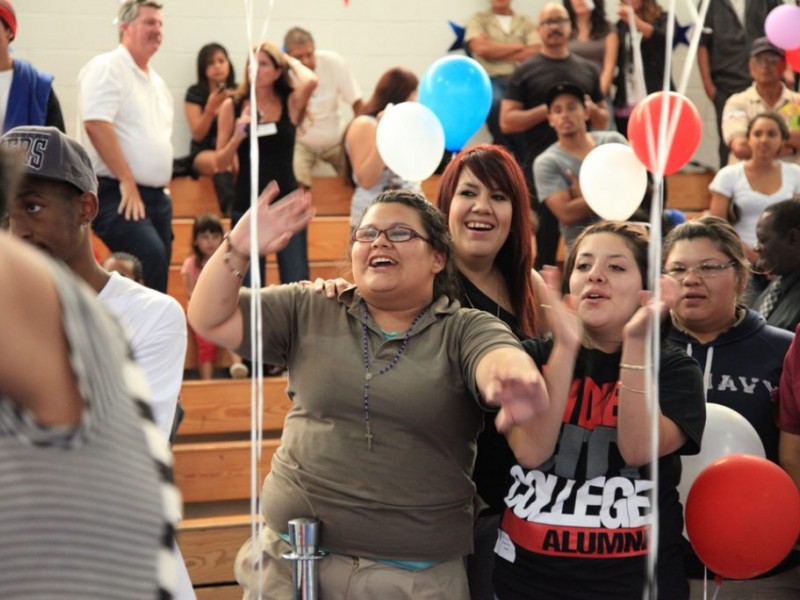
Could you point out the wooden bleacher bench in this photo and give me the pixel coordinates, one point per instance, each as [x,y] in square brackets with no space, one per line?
[689,191]
[330,195]
[192,197]
[212,470]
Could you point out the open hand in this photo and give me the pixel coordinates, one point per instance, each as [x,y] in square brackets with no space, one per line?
[637,326]
[520,393]
[277,220]
[561,314]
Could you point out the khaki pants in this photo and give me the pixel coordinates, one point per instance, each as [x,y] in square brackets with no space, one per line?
[348,577]
[306,157]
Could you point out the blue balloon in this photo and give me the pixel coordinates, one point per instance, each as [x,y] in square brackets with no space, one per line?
[458,91]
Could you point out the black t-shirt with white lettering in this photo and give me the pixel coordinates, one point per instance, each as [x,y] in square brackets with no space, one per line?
[576,526]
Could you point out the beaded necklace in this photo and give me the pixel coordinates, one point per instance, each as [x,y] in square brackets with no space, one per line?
[395,359]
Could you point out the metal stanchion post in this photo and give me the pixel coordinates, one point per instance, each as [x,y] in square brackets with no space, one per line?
[304,538]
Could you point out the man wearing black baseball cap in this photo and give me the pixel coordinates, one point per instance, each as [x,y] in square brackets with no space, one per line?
[767,93]
[555,171]
[53,210]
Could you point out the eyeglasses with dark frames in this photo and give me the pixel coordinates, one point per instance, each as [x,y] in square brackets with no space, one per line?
[395,234]
[556,21]
[703,271]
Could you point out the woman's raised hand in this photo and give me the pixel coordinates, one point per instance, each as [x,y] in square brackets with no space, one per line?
[636,327]
[277,220]
[564,321]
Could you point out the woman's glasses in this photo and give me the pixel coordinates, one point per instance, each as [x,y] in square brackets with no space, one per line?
[703,271]
[395,234]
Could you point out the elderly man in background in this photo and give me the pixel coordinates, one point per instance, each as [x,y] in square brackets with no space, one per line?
[767,93]
[127,114]
[729,30]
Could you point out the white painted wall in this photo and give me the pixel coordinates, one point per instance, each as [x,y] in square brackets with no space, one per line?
[373,35]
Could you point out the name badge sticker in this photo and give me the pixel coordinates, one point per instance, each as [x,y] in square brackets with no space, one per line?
[265,129]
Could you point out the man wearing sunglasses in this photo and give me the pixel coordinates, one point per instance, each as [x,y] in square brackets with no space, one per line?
[524,108]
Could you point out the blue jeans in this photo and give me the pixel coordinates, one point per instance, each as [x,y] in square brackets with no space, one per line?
[292,260]
[149,239]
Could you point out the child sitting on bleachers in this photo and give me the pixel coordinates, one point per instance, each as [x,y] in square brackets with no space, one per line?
[207,235]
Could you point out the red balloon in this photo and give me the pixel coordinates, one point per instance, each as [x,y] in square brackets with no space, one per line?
[793,58]
[742,515]
[646,116]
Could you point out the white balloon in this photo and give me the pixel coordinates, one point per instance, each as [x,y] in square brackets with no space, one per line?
[727,432]
[410,140]
[613,181]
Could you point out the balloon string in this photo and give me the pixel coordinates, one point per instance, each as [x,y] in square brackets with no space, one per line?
[653,357]
[256,326]
[716,591]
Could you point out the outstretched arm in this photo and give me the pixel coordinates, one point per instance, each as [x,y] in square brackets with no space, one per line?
[534,442]
[214,307]
[305,82]
[509,380]
[634,417]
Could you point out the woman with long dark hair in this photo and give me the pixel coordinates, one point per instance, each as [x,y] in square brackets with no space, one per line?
[594,39]
[215,83]
[484,197]
[578,510]
[283,87]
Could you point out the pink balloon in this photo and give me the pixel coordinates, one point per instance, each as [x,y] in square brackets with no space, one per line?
[783,26]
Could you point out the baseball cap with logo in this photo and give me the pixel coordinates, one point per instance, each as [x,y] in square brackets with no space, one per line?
[50,154]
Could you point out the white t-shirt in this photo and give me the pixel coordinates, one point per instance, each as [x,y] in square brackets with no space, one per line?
[113,88]
[731,181]
[156,329]
[505,22]
[320,128]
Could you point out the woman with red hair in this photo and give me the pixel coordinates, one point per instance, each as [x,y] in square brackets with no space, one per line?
[484,197]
